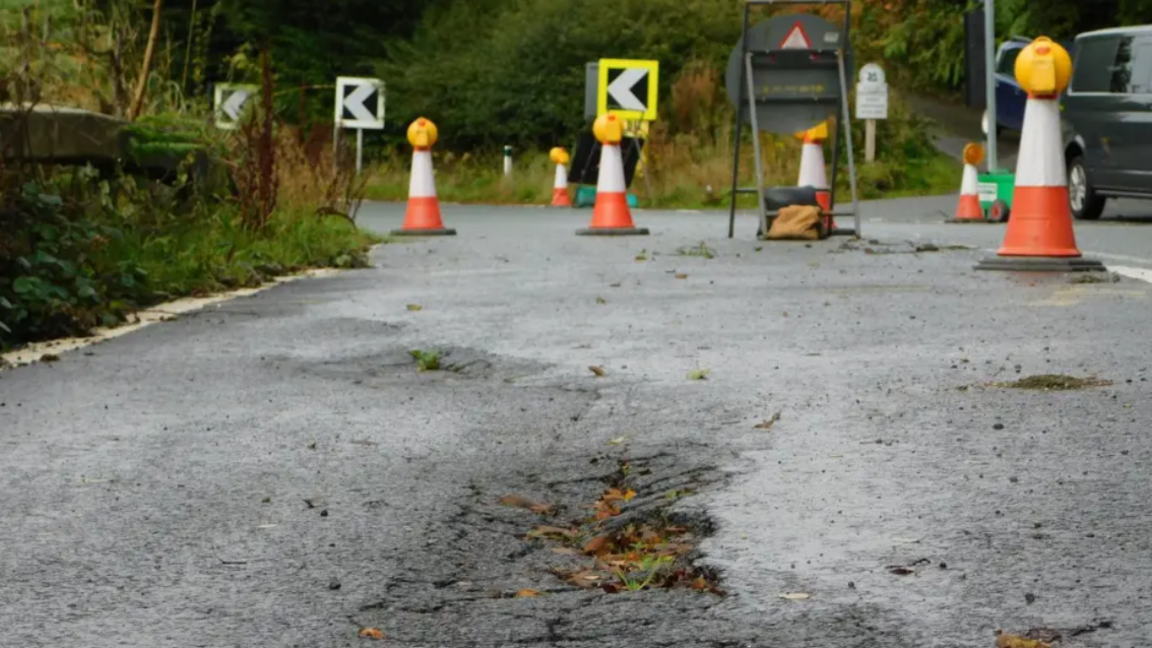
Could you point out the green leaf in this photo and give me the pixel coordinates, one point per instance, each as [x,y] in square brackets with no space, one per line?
[25,285]
[4,303]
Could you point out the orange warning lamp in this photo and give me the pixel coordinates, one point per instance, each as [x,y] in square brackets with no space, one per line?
[816,134]
[608,128]
[1044,68]
[973,154]
[559,156]
[422,133]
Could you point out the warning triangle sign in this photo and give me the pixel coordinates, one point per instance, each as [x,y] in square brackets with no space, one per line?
[796,39]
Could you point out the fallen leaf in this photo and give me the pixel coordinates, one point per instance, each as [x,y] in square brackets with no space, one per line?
[1013,641]
[516,501]
[641,257]
[527,593]
[629,494]
[564,551]
[371,633]
[796,596]
[597,546]
[900,570]
[681,276]
[585,579]
[599,371]
[601,300]
[415,307]
[767,425]
[615,285]
[551,532]
[618,441]
[699,374]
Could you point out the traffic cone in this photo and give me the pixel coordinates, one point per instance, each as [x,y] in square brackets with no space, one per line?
[813,172]
[423,215]
[610,215]
[560,197]
[1039,234]
[968,210]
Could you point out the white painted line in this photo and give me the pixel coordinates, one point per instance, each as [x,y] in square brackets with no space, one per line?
[147,317]
[1141,274]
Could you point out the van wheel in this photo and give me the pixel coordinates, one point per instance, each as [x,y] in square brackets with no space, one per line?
[1082,198]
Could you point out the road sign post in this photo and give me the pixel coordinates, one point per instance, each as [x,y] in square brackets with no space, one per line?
[359,105]
[231,100]
[871,104]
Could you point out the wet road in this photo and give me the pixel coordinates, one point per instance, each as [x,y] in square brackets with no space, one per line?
[276,471]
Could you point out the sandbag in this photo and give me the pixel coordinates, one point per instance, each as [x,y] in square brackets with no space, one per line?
[797,223]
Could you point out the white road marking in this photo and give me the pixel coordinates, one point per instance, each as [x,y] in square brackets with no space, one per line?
[1141,274]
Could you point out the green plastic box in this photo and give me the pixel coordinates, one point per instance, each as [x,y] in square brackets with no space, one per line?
[996,186]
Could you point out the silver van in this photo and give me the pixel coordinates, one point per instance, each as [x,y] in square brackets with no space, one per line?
[1107,115]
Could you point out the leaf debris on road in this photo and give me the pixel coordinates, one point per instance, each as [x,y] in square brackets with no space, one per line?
[598,370]
[767,425]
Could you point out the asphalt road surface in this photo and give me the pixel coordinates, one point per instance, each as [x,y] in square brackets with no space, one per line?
[276,472]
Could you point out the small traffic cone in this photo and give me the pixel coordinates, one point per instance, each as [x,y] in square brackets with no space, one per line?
[968,209]
[423,215]
[1039,235]
[560,197]
[813,172]
[611,216]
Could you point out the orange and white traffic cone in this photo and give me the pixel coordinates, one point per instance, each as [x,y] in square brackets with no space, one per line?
[968,210]
[1039,235]
[423,215]
[611,216]
[560,197]
[813,171]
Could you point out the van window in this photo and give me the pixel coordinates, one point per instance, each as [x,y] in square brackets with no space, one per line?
[1095,60]
[1007,62]
[1140,82]
[1122,68]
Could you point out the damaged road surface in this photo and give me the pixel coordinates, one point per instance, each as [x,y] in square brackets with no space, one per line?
[780,444]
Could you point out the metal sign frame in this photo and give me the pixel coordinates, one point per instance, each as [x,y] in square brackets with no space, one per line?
[840,53]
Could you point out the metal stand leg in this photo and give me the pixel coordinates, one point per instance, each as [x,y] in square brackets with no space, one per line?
[848,137]
[756,146]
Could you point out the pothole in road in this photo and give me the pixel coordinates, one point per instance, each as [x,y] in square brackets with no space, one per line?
[580,550]
[625,541]
[426,363]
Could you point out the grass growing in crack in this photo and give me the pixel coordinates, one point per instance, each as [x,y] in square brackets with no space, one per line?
[1054,382]
[426,360]
[701,250]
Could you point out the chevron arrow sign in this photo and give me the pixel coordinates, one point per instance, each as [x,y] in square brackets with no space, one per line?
[231,101]
[360,103]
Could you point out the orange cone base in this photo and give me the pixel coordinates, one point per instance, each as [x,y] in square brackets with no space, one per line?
[968,211]
[560,198]
[1039,236]
[1041,224]
[611,217]
[1041,264]
[423,219]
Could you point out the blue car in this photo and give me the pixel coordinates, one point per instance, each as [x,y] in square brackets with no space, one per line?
[1010,97]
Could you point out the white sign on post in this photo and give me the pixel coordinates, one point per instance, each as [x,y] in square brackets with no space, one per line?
[359,105]
[871,104]
[872,93]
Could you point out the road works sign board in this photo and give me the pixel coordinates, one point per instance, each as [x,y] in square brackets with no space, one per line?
[872,93]
[628,88]
[795,72]
[360,103]
[230,102]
